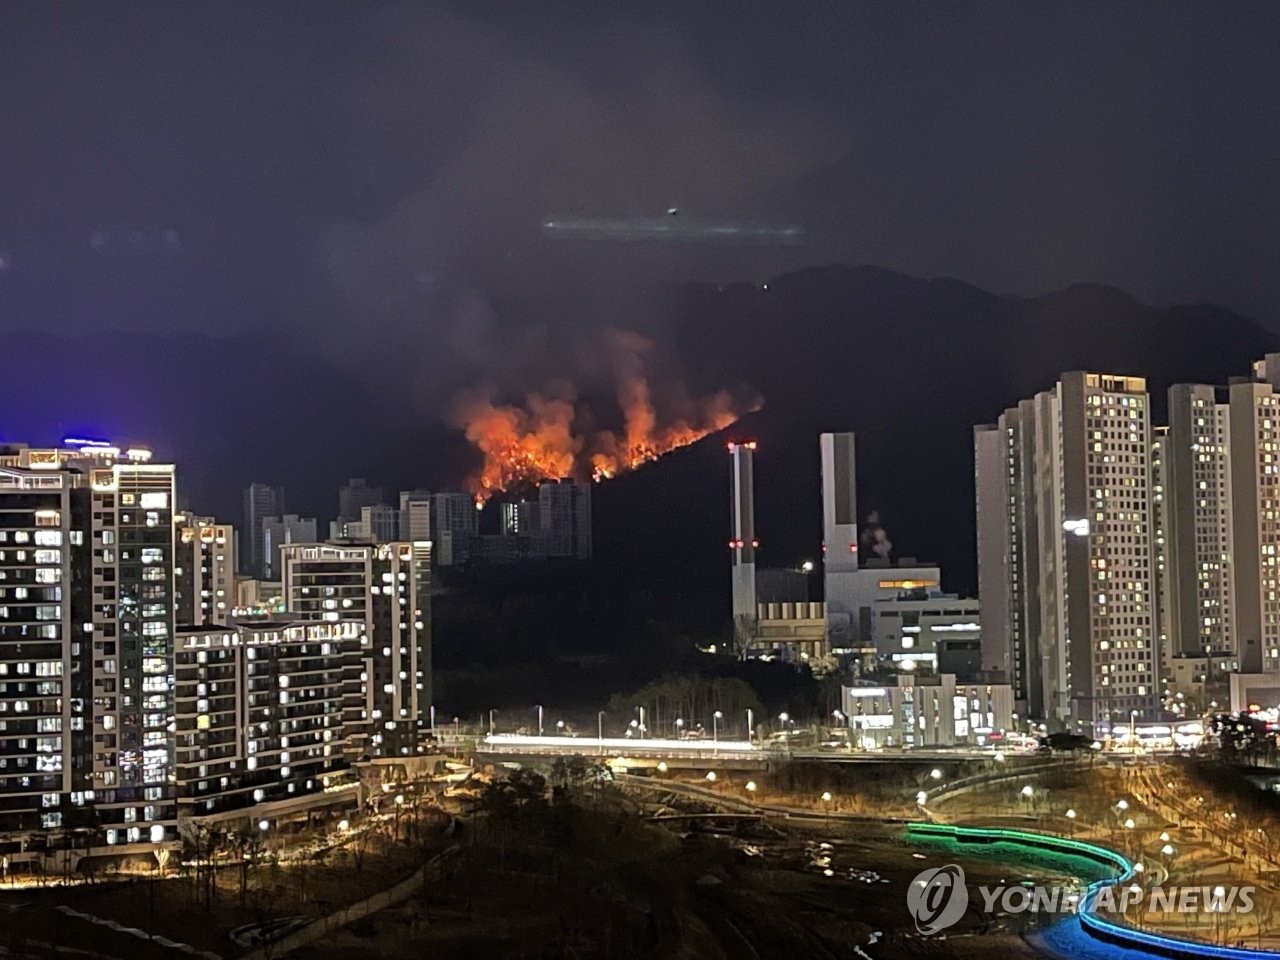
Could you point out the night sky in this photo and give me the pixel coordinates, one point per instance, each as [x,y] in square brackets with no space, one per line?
[368,179]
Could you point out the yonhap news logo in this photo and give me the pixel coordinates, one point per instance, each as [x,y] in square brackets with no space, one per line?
[937,898]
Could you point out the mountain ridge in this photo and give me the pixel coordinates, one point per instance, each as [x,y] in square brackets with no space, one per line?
[908,363]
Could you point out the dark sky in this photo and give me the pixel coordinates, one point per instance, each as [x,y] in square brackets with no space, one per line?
[316,166]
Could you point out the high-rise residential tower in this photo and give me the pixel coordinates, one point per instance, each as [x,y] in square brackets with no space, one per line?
[387,668]
[1077,547]
[86,642]
[204,570]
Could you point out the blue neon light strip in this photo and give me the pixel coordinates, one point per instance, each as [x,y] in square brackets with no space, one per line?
[1094,924]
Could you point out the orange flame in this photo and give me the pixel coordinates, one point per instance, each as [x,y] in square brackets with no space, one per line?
[520,445]
[537,441]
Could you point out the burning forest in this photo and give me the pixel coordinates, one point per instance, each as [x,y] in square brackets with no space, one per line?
[555,432]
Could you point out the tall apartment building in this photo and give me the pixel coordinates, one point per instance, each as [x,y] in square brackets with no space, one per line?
[454,522]
[1160,557]
[1222,530]
[564,517]
[257,713]
[415,515]
[260,501]
[387,668]
[86,642]
[204,570]
[1255,513]
[277,531]
[353,496]
[1198,520]
[1076,544]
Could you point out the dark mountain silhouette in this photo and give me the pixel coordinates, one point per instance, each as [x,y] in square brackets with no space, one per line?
[909,364]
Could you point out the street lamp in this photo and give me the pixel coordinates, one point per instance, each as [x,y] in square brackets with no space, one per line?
[491,713]
[539,708]
[826,805]
[807,566]
[1122,804]
[344,826]
[711,778]
[679,728]
[1071,818]
[662,766]
[999,756]
[1027,791]
[715,729]
[641,728]
[935,773]
[751,724]
[922,797]
[751,786]
[1133,730]
[560,727]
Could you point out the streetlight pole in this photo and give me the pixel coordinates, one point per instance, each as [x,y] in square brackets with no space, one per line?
[715,732]
[539,719]
[642,726]
[600,730]
[751,725]
[491,713]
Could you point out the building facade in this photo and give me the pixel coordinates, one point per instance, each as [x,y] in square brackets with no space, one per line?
[257,714]
[204,570]
[387,668]
[86,632]
[261,500]
[1077,547]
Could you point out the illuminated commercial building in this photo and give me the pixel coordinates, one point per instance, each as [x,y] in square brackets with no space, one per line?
[1076,548]
[386,668]
[86,632]
[922,712]
[204,570]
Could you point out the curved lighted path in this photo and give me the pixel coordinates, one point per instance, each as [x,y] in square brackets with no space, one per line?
[1085,933]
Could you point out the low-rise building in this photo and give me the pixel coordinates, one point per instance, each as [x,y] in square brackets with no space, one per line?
[926,711]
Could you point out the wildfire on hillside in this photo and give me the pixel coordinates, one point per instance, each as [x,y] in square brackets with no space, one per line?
[545,437]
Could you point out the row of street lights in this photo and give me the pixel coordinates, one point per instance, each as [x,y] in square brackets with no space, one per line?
[638,727]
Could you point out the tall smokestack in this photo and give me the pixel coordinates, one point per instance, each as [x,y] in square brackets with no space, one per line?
[839,535]
[742,542]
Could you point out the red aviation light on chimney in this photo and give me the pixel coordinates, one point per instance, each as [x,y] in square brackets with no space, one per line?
[747,445]
[755,543]
[853,548]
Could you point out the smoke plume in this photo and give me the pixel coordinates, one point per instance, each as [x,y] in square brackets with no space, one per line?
[874,539]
